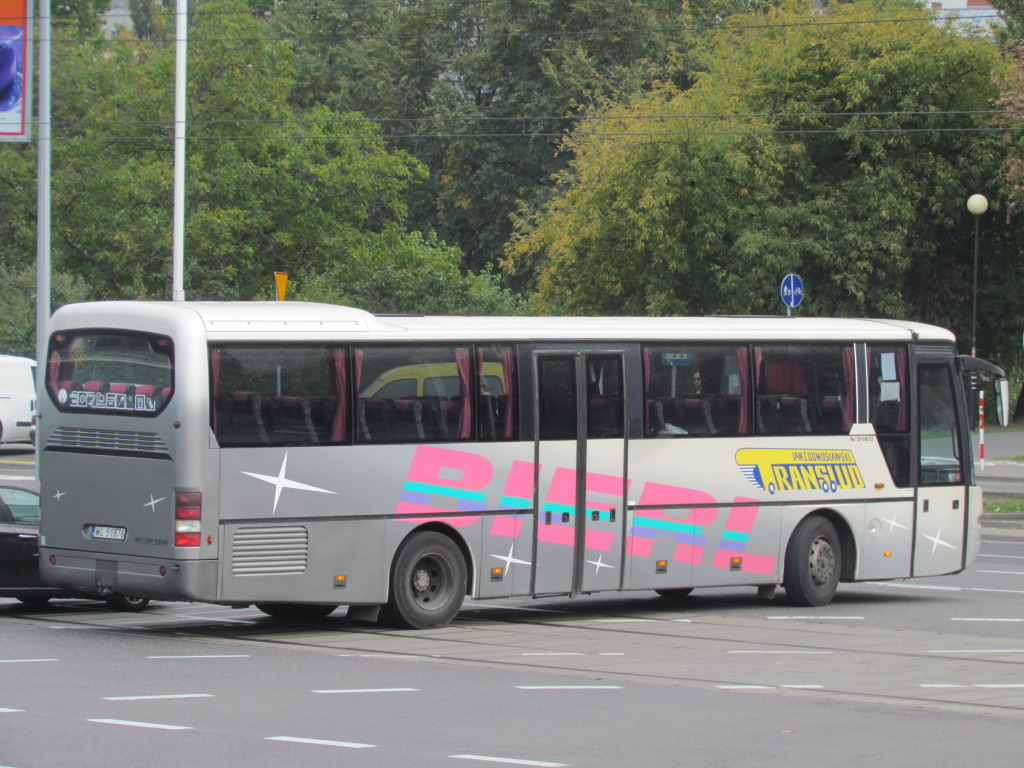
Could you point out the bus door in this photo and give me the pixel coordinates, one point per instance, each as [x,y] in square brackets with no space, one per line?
[579,428]
[943,472]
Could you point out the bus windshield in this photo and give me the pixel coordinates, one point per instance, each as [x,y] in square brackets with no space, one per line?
[110,371]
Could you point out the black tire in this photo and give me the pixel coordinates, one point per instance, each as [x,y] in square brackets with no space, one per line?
[297,611]
[813,563]
[428,582]
[127,603]
[675,594]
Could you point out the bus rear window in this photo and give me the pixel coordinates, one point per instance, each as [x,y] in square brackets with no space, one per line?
[110,371]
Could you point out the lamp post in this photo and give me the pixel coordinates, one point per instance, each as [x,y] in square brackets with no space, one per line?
[977,205]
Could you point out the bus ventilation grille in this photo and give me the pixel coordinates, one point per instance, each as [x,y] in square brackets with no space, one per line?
[107,440]
[263,550]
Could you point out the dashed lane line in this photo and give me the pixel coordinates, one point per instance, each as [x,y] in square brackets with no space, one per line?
[321,742]
[509,761]
[138,724]
[368,690]
[160,697]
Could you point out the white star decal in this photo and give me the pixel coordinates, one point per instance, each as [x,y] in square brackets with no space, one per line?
[280,481]
[893,524]
[936,540]
[509,560]
[598,565]
[153,502]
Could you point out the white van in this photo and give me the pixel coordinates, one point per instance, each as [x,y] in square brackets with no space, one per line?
[17,399]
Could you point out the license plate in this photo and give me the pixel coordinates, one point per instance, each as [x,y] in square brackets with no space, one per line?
[108,532]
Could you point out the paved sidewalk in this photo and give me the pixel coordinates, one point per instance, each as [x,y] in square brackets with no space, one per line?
[1004,526]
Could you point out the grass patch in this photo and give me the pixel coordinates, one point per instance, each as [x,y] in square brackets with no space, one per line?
[1001,504]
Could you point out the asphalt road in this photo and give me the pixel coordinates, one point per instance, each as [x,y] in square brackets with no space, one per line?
[921,673]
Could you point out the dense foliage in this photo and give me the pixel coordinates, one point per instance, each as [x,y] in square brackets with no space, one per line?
[614,156]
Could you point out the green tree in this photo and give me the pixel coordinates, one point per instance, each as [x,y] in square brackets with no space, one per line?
[483,92]
[838,147]
[269,187]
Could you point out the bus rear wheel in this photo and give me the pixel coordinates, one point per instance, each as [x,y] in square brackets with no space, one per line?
[296,611]
[813,563]
[120,602]
[428,582]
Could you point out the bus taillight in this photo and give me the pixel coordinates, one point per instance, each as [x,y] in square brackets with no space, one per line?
[188,516]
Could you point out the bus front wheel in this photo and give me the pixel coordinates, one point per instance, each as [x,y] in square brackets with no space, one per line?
[813,563]
[428,582]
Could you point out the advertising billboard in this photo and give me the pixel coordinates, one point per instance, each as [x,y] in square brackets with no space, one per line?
[15,70]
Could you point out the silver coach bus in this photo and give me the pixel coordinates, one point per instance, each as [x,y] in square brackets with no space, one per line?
[304,456]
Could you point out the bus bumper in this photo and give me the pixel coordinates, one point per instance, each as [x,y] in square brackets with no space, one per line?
[175,580]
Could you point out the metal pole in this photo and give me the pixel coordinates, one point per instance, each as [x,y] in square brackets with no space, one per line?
[43,186]
[974,293]
[43,170]
[180,81]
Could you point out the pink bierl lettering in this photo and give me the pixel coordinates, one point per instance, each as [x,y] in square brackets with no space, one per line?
[454,478]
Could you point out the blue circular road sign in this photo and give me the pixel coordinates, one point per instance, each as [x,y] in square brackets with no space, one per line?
[792,290]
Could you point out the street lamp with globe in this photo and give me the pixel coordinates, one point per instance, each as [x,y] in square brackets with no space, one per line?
[978,205]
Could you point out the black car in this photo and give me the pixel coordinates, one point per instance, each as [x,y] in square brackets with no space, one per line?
[19,555]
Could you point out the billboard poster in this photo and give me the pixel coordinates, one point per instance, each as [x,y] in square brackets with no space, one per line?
[15,70]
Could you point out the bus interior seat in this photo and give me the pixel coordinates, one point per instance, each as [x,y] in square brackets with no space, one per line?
[782,400]
[696,415]
[376,416]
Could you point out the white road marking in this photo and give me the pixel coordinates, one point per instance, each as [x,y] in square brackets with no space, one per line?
[744,687]
[815,618]
[1004,573]
[389,656]
[367,690]
[203,656]
[973,685]
[799,687]
[509,761]
[913,586]
[622,621]
[24,661]
[770,653]
[983,650]
[160,697]
[8,709]
[569,687]
[212,618]
[321,742]
[1007,557]
[554,653]
[136,724]
[997,620]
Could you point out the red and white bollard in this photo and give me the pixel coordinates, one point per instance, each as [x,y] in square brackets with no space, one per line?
[981,427]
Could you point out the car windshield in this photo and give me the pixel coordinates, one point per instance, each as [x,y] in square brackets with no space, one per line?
[24,505]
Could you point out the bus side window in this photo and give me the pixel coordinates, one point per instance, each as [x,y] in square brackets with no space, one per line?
[805,389]
[889,408]
[412,393]
[695,390]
